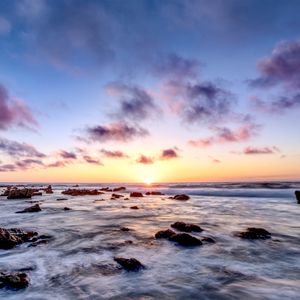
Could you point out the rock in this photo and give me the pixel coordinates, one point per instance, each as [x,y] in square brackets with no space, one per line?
[125,229]
[9,238]
[208,240]
[83,192]
[37,194]
[67,208]
[61,199]
[118,189]
[75,185]
[186,227]
[254,234]
[31,209]
[154,193]
[164,234]
[181,197]
[13,280]
[19,193]
[106,189]
[38,242]
[134,207]
[129,264]
[136,194]
[126,198]
[184,239]
[48,190]
[117,196]
[297,194]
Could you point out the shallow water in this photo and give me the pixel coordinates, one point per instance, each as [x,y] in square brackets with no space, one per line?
[78,262]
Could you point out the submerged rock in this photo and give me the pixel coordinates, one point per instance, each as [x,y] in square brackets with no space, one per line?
[19,193]
[184,239]
[125,229]
[208,240]
[117,196]
[9,238]
[31,209]
[154,193]
[136,194]
[253,233]
[297,194]
[134,207]
[164,234]
[83,192]
[181,197]
[118,189]
[61,199]
[129,264]
[13,280]
[106,189]
[67,208]
[186,227]
[37,194]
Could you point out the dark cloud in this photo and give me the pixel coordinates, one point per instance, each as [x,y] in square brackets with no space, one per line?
[113,154]
[118,131]
[8,168]
[57,164]
[92,160]
[67,155]
[16,149]
[135,102]
[227,135]
[168,154]
[21,165]
[264,150]
[146,160]
[14,112]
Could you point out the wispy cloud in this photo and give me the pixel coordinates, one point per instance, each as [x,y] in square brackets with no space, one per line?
[113,154]
[257,150]
[146,160]
[168,154]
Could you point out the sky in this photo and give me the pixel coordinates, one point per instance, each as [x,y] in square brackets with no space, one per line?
[149,90]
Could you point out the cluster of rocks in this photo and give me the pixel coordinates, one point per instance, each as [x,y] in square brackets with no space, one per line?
[48,190]
[13,281]
[81,192]
[13,192]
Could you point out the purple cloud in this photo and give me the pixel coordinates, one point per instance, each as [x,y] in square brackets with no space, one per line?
[113,154]
[264,150]
[67,155]
[92,160]
[21,165]
[118,131]
[145,160]
[16,149]
[168,154]
[14,112]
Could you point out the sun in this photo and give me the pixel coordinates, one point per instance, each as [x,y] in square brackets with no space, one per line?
[148,181]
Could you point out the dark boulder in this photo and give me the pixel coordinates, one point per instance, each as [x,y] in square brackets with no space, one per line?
[186,227]
[105,189]
[125,229]
[164,234]
[297,194]
[134,207]
[129,264]
[136,194]
[19,193]
[13,280]
[118,189]
[83,192]
[31,209]
[181,197]
[154,193]
[61,199]
[9,238]
[254,233]
[117,196]
[37,194]
[67,208]
[184,239]
[48,189]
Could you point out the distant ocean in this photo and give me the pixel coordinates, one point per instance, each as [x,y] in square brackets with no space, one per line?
[78,263]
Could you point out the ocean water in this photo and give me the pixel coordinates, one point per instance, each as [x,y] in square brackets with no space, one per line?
[78,262]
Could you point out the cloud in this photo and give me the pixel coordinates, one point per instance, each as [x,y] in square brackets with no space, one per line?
[14,112]
[57,164]
[135,102]
[5,26]
[113,154]
[92,160]
[146,160]
[265,150]
[21,165]
[16,149]
[168,154]
[67,155]
[118,131]
[226,135]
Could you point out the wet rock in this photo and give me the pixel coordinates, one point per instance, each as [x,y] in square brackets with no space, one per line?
[186,227]
[118,189]
[67,208]
[37,194]
[129,264]
[13,280]
[154,193]
[61,199]
[83,192]
[136,194]
[164,234]
[253,233]
[297,194]
[208,240]
[39,242]
[117,196]
[184,239]
[9,238]
[125,229]
[134,207]
[31,209]
[75,185]
[126,198]
[19,193]
[106,189]
[181,197]
[48,189]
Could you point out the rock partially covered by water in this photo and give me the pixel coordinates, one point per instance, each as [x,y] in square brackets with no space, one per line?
[164,234]
[134,207]
[67,208]
[184,239]
[118,189]
[83,192]
[129,264]
[297,194]
[154,193]
[9,238]
[48,189]
[181,197]
[208,240]
[186,227]
[253,233]
[136,194]
[19,193]
[117,196]
[31,209]
[106,189]
[13,280]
